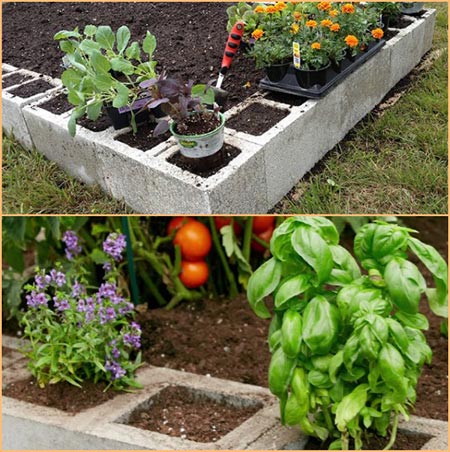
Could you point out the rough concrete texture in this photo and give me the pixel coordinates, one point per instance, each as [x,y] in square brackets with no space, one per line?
[269,165]
[31,427]
[8,68]
[13,121]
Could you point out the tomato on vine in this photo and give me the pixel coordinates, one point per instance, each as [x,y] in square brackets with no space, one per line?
[262,223]
[176,223]
[194,274]
[194,240]
[221,221]
[265,236]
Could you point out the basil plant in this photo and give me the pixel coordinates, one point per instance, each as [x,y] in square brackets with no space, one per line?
[91,57]
[346,334]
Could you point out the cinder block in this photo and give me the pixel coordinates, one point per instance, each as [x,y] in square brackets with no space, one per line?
[429,18]
[13,121]
[77,155]
[8,68]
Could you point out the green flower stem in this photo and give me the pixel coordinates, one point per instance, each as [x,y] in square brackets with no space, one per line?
[231,279]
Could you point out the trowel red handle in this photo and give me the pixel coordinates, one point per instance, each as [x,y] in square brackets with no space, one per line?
[233,43]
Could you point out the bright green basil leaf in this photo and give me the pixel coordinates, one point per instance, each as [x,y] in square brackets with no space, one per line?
[392,368]
[319,379]
[320,325]
[313,249]
[291,288]
[123,37]
[350,406]
[398,334]
[291,333]
[335,363]
[405,284]
[324,227]
[280,372]
[261,284]
[417,321]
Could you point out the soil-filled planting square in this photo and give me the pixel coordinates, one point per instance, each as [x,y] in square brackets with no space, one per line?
[208,165]
[15,79]
[31,89]
[62,396]
[187,413]
[144,140]
[257,119]
[57,105]
[190,38]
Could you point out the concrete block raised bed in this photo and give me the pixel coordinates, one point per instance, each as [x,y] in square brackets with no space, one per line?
[13,121]
[268,166]
[27,426]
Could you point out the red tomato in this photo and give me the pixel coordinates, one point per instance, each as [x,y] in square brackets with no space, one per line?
[194,239]
[265,236]
[262,223]
[225,221]
[194,274]
[176,223]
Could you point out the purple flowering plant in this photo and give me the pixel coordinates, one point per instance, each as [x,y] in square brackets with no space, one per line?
[79,332]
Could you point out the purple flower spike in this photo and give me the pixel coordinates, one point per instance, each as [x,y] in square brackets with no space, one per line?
[72,247]
[114,245]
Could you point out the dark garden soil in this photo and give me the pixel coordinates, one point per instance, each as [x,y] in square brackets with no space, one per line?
[389,34]
[177,411]
[197,125]
[257,119]
[31,89]
[7,351]
[190,37]
[143,140]
[403,442]
[62,396]
[15,79]
[99,125]
[57,105]
[206,166]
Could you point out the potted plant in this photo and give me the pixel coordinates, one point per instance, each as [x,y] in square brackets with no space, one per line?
[198,129]
[389,12]
[103,69]
[411,7]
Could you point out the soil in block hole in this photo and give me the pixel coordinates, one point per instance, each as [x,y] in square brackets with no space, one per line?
[31,89]
[62,396]
[15,79]
[207,166]
[256,119]
[100,124]
[404,441]
[57,105]
[143,139]
[389,34]
[288,99]
[189,414]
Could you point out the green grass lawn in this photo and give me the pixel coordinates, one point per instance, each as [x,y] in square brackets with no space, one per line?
[392,162]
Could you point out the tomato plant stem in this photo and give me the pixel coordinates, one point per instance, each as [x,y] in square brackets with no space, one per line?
[215,237]
[246,247]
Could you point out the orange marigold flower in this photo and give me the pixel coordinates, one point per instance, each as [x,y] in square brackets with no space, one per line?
[315,45]
[351,41]
[335,28]
[348,8]
[297,15]
[271,9]
[311,24]
[326,23]
[260,9]
[295,28]
[378,33]
[280,6]
[258,33]
[324,6]
[334,13]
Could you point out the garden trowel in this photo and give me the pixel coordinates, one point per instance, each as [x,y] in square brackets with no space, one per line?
[231,48]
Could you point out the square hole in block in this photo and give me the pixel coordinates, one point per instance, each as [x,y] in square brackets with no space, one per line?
[207,166]
[256,119]
[192,414]
[15,79]
[57,105]
[31,89]
[143,139]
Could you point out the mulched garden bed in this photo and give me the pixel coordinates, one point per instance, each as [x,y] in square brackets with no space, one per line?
[257,119]
[31,89]
[15,79]
[178,411]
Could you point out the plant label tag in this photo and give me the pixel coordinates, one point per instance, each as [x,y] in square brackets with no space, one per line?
[296,54]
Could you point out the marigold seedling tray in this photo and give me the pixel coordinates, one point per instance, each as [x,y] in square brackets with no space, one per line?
[289,85]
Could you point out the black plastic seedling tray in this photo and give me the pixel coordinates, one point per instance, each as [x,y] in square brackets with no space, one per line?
[289,85]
